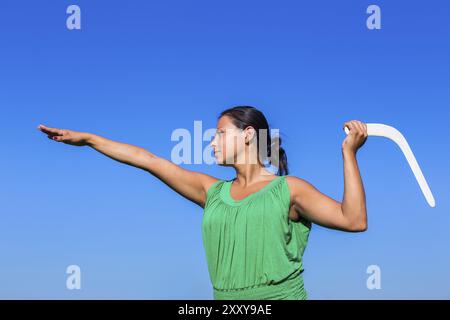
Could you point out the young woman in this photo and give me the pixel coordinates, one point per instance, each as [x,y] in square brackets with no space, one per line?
[256,226]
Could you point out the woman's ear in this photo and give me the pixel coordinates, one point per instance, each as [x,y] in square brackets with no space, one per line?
[249,134]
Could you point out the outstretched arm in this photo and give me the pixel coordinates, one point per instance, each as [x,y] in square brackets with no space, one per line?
[190,184]
[351,214]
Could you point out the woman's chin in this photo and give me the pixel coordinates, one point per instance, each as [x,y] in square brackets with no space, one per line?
[221,162]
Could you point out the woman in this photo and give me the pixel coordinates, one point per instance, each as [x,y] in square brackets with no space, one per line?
[256,226]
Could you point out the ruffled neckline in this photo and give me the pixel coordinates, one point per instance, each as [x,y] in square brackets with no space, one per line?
[226,195]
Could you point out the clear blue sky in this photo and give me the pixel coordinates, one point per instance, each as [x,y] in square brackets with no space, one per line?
[137,70]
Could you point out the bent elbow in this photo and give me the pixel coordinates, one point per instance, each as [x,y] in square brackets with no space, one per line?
[362,228]
[358,227]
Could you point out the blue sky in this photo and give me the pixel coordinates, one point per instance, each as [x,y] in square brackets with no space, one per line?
[138,70]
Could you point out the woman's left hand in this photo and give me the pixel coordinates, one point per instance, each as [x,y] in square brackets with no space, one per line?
[356,137]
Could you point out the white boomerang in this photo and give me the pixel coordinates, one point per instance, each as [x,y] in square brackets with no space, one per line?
[382,130]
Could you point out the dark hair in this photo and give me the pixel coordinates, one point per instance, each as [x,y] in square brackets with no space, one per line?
[244,116]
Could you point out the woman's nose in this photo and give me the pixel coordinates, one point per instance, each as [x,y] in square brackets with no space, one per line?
[213,142]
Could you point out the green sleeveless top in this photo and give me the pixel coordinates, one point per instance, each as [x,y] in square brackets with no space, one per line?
[253,249]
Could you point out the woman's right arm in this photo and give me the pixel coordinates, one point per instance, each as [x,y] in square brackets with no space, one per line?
[190,184]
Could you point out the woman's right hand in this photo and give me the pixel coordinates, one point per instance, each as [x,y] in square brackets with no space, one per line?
[67,136]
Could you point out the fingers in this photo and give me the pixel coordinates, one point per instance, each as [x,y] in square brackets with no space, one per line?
[55,138]
[360,127]
[51,131]
[363,128]
[351,126]
[357,127]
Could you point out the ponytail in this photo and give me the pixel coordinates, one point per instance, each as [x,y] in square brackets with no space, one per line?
[279,160]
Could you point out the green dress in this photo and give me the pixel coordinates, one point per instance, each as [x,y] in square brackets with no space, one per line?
[253,249]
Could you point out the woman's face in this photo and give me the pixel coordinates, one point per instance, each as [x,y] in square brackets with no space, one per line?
[229,142]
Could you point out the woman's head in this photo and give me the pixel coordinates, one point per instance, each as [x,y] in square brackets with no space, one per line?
[243,136]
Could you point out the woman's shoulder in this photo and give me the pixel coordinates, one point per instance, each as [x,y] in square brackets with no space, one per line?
[296,184]
[213,190]
[299,187]
[212,184]
[294,180]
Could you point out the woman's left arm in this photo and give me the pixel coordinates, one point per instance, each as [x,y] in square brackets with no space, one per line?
[351,214]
